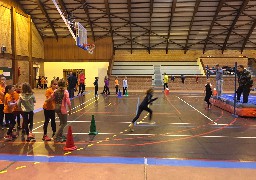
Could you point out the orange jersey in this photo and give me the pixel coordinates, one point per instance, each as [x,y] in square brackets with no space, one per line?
[50,105]
[7,99]
[2,89]
[16,97]
[116,82]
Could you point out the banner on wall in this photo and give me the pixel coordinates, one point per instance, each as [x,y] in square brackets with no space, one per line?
[6,72]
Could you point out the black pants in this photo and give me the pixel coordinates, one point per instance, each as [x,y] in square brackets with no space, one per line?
[81,88]
[17,116]
[165,85]
[140,111]
[107,90]
[1,114]
[116,89]
[28,118]
[96,88]
[245,90]
[124,90]
[49,114]
[207,99]
[11,119]
[71,92]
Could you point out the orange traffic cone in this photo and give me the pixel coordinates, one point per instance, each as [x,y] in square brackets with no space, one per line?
[70,146]
[166,91]
[215,93]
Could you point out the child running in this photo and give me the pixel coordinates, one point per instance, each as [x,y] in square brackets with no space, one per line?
[208,93]
[26,103]
[9,104]
[49,111]
[62,101]
[144,106]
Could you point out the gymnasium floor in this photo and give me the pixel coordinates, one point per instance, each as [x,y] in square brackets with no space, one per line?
[187,142]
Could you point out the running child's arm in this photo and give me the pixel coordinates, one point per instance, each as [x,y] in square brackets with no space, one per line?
[151,100]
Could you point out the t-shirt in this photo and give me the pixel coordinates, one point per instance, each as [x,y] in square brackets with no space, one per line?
[2,89]
[165,79]
[50,105]
[8,98]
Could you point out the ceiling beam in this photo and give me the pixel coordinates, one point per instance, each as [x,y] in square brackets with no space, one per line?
[170,25]
[248,36]
[130,20]
[239,12]
[86,10]
[41,6]
[191,24]
[110,22]
[150,16]
[213,21]
[63,7]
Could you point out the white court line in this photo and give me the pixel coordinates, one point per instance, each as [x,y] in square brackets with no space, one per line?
[179,123]
[181,135]
[197,110]
[221,124]
[246,137]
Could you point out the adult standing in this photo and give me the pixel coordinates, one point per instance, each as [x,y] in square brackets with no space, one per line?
[245,83]
[219,80]
[72,81]
[81,81]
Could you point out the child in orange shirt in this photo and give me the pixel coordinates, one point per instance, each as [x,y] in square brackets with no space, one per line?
[116,85]
[49,110]
[17,111]
[9,104]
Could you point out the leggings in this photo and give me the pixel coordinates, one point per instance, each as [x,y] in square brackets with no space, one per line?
[49,114]
[63,123]
[140,111]
[11,119]
[1,114]
[28,118]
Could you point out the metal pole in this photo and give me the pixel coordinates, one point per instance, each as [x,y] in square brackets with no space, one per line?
[234,114]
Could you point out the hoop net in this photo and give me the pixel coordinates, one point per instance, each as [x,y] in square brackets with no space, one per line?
[89,47]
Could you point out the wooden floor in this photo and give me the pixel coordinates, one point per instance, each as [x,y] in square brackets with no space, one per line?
[187,142]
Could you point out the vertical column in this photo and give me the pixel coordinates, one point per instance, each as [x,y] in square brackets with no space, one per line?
[13,44]
[30,60]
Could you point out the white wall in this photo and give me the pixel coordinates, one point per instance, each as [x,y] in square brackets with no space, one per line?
[92,70]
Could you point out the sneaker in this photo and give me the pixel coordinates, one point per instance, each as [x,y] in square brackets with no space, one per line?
[46,138]
[53,134]
[31,135]
[152,122]
[8,138]
[14,135]
[131,126]
[28,139]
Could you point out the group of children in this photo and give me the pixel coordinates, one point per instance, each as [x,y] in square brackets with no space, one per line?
[17,101]
[106,86]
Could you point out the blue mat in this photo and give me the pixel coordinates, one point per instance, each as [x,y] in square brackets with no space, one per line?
[229,99]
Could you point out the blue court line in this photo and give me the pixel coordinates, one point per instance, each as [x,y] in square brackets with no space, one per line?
[124,160]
